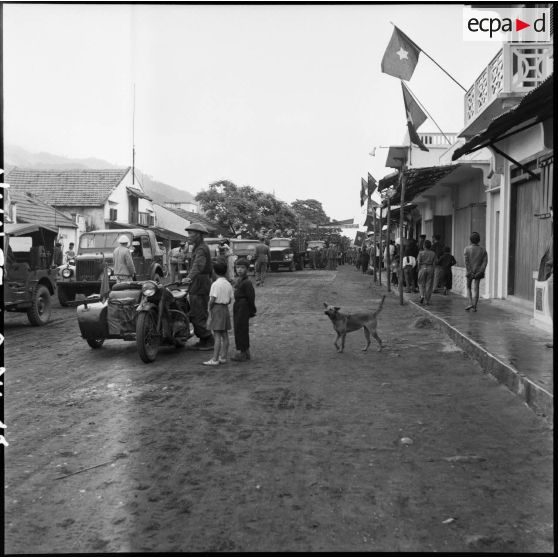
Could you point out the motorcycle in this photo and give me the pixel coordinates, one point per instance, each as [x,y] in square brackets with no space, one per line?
[147,312]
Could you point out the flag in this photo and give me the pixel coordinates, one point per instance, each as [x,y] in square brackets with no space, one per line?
[105,286]
[371,186]
[415,117]
[401,56]
[359,238]
[363,188]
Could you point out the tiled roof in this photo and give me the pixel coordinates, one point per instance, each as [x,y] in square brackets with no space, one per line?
[30,209]
[71,187]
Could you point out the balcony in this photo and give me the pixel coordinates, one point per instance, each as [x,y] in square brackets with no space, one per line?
[142,219]
[516,69]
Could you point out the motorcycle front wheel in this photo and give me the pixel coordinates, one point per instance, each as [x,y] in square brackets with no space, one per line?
[147,338]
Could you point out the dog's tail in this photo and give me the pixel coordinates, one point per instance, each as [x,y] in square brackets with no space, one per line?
[381,306]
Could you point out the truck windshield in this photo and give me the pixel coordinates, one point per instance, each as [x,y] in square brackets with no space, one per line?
[279,243]
[100,240]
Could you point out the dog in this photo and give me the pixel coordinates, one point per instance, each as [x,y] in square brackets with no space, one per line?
[345,323]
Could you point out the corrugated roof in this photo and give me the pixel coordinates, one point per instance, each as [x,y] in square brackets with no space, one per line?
[538,104]
[30,209]
[71,187]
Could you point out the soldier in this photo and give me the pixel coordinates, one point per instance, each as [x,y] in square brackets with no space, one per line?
[199,279]
[124,269]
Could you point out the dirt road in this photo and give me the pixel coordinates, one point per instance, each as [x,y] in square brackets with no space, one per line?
[298,450]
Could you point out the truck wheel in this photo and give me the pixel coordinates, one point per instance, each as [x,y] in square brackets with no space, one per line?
[95,343]
[147,339]
[39,313]
[64,296]
[292,266]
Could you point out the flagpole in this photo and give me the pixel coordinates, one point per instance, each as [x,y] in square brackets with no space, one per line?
[428,55]
[428,114]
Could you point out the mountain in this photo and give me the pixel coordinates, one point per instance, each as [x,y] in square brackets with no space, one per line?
[160,192]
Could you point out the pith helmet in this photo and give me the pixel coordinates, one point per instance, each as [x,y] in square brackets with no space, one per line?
[123,239]
[198,227]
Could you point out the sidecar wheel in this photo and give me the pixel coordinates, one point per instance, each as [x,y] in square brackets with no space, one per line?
[95,343]
[146,337]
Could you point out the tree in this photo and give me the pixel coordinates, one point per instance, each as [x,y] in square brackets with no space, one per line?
[244,210]
[310,212]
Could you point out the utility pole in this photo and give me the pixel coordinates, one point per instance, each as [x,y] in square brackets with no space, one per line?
[373,252]
[402,181]
[388,255]
[379,246]
[133,136]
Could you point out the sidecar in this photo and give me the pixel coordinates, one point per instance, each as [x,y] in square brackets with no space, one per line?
[115,318]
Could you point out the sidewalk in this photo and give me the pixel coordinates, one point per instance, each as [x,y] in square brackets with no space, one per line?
[502,339]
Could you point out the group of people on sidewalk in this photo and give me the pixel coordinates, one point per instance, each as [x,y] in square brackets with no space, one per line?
[427,266]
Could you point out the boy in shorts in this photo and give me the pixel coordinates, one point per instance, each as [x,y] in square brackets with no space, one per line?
[219,320]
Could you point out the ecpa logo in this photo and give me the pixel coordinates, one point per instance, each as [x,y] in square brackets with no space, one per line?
[506,24]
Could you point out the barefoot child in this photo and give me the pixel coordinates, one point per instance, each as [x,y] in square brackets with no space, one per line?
[244,308]
[219,321]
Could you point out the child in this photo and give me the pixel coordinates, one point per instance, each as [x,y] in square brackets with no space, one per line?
[244,308]
[445,262]
[219,321]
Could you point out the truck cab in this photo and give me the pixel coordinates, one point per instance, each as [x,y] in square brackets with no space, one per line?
[282,254]
[95,250]
[29,279]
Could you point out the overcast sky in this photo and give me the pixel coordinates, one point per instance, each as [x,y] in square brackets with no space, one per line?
[288,99]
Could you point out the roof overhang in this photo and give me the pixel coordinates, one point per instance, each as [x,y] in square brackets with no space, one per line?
[397,156]
[18,229]
[170,235]
[536,106]
[137,193]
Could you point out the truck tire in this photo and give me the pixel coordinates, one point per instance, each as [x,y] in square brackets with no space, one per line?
[147,339]
[64,295]
[39,313]
[95,343]
[292,266]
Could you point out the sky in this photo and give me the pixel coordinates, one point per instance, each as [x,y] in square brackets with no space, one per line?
[289,99]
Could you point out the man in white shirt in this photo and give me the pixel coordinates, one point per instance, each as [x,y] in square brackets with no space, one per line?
[409,263]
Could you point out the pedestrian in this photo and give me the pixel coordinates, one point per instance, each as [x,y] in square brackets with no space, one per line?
[263,255]
[58,255]
[177,261]
[124,268]
[312,255]
[438,249]
[244,308]
[70,253]
[446,262]
[409,264]
[425,262]
[199,279]
[219,319]
[476,260]
[364,260]
[395,269]
[358,259]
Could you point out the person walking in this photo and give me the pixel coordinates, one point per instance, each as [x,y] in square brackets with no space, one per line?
[219,321]
[364,259]
[124,268]
[438,249]
[263,256]
[244,308]
[199,279]
[358,259]
[476,260]
[446,277]
[177,261]
[425,262]
[409,264]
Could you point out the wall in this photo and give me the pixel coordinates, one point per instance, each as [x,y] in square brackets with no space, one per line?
[94,216]
[166,219]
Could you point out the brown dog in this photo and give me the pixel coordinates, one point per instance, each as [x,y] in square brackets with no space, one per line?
[345,323]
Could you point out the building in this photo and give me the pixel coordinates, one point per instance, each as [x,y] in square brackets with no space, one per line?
[191,206]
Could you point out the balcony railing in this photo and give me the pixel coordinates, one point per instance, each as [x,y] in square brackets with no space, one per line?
[516,69]
[436,139]
[143,219]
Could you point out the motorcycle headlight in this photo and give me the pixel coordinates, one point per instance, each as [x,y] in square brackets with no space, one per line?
[66,272]
[149,289]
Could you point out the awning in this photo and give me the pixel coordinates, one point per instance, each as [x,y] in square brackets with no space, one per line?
[536,106]
[169,235]
[418,180]
[17,229]
[137,193]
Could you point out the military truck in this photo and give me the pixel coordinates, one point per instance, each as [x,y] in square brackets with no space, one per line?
[95,249]
[29,281]
[282,254]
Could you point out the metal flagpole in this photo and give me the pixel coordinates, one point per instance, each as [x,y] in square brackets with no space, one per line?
[402,181]
[388,255]
[374,243]
[379,243]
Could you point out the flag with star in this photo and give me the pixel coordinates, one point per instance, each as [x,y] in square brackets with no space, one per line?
[415,117]
[363,188]
[401,56]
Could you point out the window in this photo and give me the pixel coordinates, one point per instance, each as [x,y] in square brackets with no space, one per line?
[113,213]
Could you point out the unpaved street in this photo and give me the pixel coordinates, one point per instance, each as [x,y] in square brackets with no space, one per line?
[298,450]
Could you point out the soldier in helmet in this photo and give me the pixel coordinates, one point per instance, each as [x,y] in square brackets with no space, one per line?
[199,279]
[124,268]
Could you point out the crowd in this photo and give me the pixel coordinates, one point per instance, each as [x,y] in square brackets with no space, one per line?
[426,265]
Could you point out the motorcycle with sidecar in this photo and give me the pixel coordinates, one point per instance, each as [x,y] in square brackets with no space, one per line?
[147,312]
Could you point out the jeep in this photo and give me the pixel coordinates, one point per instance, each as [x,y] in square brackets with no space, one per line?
[95,249]
[29,279]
